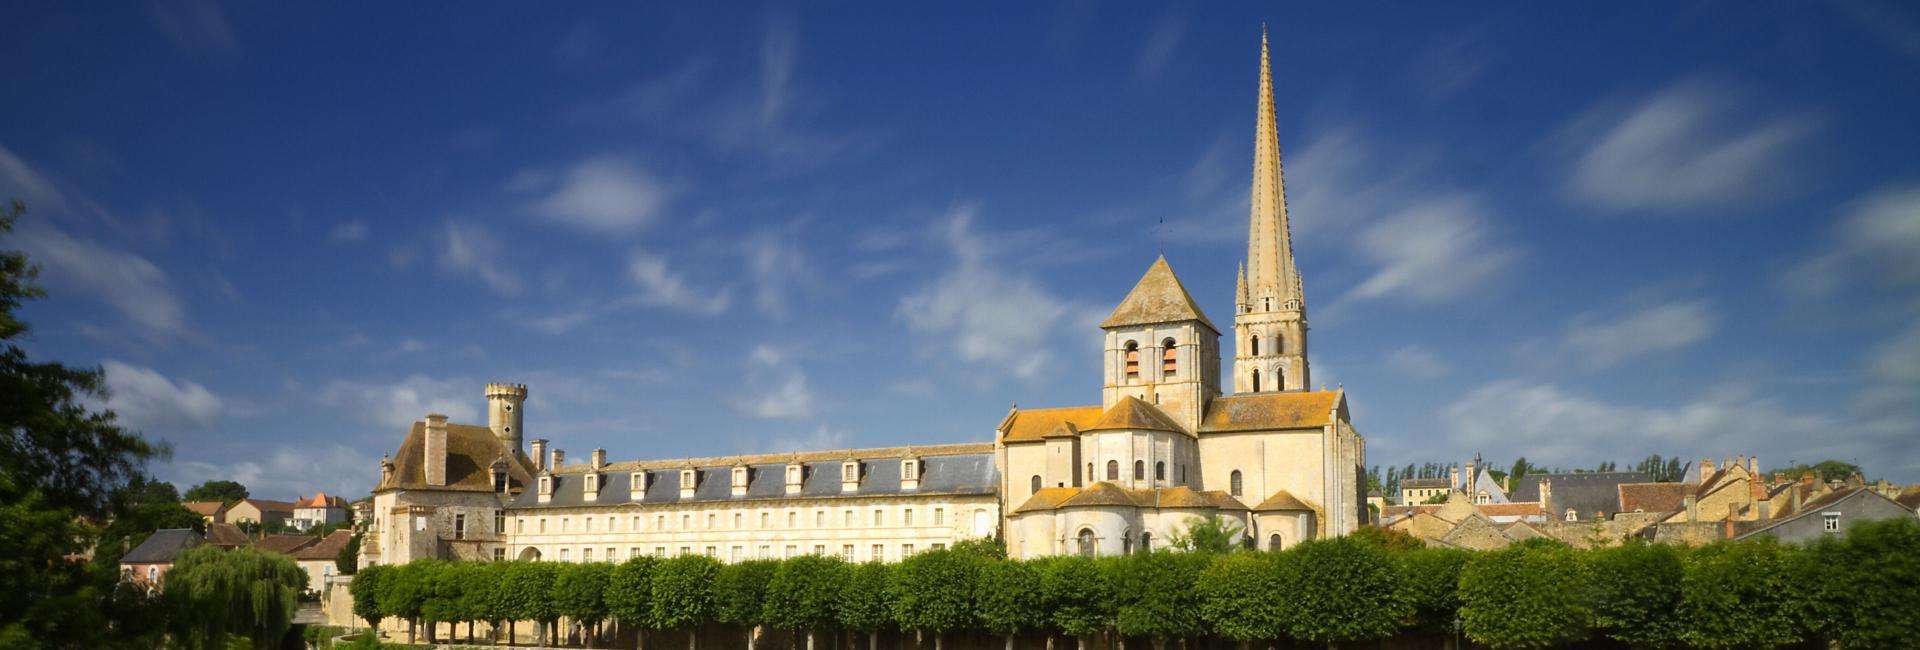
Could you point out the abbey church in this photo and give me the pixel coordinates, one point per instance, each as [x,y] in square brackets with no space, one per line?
[1163,447]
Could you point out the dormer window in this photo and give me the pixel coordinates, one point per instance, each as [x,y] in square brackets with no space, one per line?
[592,482]
[740,481]
[910,473]
[1133,360]
[688,478]
[1169,362]
[850,476]
[500,480]
[637,482]
[546,485]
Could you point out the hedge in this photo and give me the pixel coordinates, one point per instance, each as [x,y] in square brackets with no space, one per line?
[1860,590]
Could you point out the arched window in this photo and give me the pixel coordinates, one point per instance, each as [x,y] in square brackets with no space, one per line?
[1254,343]
[1086,542]
[1133,360]
[1277,345]
[1113,470]
[1126,544]
[1139,470]
[1168,358]
[1273,542]
[1233,483]
[1256,380]
[1090,472]
[1160,471]
[1036,482]
[1146,542]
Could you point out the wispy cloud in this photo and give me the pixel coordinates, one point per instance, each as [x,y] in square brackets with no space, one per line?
[604,194]
[289,471]
[1692,145]
[396,405]
[1160,46]
[1604,342]
[1415,361]
[777,388]
[350,231]
[660,286]
[1873,245]
[194,25]
[129,283]
[469,250]
[150,402]
[1431,252]
[981,313]
[779,268]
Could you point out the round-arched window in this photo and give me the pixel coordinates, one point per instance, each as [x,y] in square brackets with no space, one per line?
[1234,483]
[1160,470]
[1113,470]
[1086,541]
[1139,470]
[1273,542]
[1036,483]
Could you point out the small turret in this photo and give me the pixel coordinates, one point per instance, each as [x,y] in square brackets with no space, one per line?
[504,402]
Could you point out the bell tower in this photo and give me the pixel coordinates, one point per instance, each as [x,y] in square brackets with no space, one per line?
[1269,306]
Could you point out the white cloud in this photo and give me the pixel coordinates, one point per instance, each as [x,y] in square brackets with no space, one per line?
[1874,243]
[397,405]
[150,402]
[777,388]
[661,287]
[470,250]
[1431,252]
[821,438]
[779,268]
[602,194]
[562,322]
[18,180]
[135,287]
[194,25]
[348,231]
[1160,46]
[1686,146]
[981,313]
[1415,361]
[1554,425]
[1657,328]
[1898,359]
[288,472]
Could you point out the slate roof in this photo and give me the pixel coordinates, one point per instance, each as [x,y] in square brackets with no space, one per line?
[162,546]
[1585,492]
[264,505]
[1423,483]
[1157,298]
[970,472]
[471,451]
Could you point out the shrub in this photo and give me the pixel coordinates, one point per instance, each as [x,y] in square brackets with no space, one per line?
[803,592]
[1738,595]
[215,594]
[1239,597]
[1636,593]
[1865,585]
[1340,590]
[1157,591]
[933,593]
[1430,586]
[1533,594]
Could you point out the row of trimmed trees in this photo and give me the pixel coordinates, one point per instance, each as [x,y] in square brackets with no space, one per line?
[1860,591]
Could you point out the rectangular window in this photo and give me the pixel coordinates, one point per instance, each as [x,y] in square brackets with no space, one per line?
[1832,522]
[819,549]
[846,552]
[633,552]
[906,517]
[879,553]
[519,525]
[939,516]
[764,518]
[937,546]
[709,521]
[610,556]
[733,554]
[788,551]
[563,555]
[766,552]
[499,554]
[586,554]
[459,526]
[499,522]
[636,523]
[906,550]
[543,524]
[586,524]
[736,521]
[563,525]
[686,550]
[713,551]
[659,551]
[686,522]
[848,516]
[659,522]
[819,519]
[609,523]
[879,517]
[793,519]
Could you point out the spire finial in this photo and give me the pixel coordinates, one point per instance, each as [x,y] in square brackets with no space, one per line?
[1271,274]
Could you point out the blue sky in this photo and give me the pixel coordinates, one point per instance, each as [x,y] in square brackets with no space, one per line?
[286,232]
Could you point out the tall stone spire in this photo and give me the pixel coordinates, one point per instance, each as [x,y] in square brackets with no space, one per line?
[1270,320]
[1272,277]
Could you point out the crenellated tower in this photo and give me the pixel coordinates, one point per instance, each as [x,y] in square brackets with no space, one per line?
[504,402]
[1270,309]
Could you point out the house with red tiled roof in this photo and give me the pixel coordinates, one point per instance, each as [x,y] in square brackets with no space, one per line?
[321,509]
[260,511]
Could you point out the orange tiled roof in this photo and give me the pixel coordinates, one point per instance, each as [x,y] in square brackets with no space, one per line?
[1033,425]
[1157,298]
[205,508]
[1133,413]
[327,548]
[1109,494]
[1285,410]
[1653,497]
[1281,500]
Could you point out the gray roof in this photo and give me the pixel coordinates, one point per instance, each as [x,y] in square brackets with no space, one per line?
[880,476]
[162,546]
[1585,492]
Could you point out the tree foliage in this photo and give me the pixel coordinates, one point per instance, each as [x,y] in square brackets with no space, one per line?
[682,595]
[1240,597]
[865,605]
[1430,586]
[1636,591]
[629,588]
[1738,595]
[224,491]
[1865,585]
[803,593]
[1533,594]
[933,592]
[1826,470]
[1342,590]
[1215,534]
[215,594]
[1156,592]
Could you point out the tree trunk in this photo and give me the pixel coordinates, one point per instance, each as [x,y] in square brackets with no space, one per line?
[693,638]
[873,639]
[1009,642]
[1049,641]
[937,639]
[753,637]
[1080,642]
[809,639]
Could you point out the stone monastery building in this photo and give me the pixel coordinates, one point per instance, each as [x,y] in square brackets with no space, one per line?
[1163,447]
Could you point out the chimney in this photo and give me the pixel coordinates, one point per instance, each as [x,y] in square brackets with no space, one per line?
[1546,495]
[1693,508]
[386,469]
[559,457]
[435,449]
[1453,478]
[1706,469]
[1753,465]
[599,459]
[539,454]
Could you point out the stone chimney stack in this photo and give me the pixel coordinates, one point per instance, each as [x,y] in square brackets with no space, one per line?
[559,457]
[1546,495]
[1692,506]
[1453,478]
[599,459]
[1753,465]
[435,450]
[386,469]
[539,454]
[1706,469]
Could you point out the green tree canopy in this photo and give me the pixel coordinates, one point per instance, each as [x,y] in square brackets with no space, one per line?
[1342,589]
[1533,594]
[804,592]
[682,595]
[628,589]
[1826,470]
[1156,593]
[224,491]
[215,594]
[1739,595]
[365,589]
[1239,597]
[1430,585]
[1636,593]
[933,592]
[1215,534]
[1865,584]
[1010,597]
[579,591]
[865,605]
